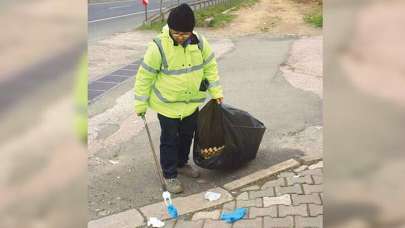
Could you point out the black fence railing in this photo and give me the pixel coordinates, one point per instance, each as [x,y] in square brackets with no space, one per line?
[194,5]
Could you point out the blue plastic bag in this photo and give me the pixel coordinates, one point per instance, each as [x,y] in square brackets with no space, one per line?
[233,216]
[172,211]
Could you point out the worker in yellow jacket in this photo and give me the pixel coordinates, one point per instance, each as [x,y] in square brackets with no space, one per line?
[177,71]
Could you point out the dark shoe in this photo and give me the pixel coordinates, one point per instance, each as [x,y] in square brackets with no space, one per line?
[173,185]
[189,171]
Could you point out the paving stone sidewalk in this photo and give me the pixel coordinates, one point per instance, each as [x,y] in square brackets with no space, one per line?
[293,199]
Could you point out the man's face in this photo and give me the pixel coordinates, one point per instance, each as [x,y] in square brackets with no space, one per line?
[180,37]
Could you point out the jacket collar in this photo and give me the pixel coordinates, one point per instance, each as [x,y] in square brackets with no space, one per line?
[166,33]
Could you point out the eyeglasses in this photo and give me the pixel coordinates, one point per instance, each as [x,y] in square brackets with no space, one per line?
[180,34]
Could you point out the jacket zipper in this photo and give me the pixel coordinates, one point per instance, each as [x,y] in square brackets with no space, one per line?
[185,64]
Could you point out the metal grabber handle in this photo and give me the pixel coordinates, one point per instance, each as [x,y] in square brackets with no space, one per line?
[158,168]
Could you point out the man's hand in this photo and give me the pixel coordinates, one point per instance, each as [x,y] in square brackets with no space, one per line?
[219,100]
[142,114]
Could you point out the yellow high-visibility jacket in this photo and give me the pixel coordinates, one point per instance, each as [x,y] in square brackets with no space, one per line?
[80,94]
[169,77]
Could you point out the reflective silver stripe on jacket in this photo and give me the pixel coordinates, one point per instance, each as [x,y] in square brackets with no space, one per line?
[149,68]
[209,58]
[200,42]
[158,42]
[183,71]
[161,98]
[189,69]
[165,69]
[213,84]
[141,98]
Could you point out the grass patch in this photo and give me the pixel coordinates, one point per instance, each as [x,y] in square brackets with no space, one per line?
[155,26]
[315,17]
[214,12]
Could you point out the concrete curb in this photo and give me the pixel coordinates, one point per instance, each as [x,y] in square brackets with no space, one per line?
[308,159]
[195,202]
[125,219]
[188,204]
[261,174]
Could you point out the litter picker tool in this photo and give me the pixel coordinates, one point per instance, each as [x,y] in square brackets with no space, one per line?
[172,211]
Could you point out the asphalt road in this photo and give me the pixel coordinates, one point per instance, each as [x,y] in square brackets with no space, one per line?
[105,19]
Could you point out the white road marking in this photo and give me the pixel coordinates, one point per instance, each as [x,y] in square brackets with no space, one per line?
[119,7]
[126,15]
[104,3]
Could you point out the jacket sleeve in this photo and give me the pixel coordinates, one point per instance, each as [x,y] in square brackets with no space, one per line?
[146,76]
[211,70]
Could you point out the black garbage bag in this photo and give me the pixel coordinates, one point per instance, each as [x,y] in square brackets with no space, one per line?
[226,137]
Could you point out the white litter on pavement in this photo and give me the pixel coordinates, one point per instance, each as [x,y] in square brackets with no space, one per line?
[113,162]
[166,197]
[155,222]
[212,196]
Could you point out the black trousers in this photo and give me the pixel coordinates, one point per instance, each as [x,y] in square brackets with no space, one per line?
[175,142]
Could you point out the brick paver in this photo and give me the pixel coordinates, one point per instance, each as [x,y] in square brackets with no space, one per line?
[315,210]
[206,215]
[270,222]
[229,206]
[260,212]
[246,203]
[216,224]
[314,172]
[312,188]
[305,222]
[288,190]
[189,224]
[317,179]
[299,180]
[261,193]
[274,183]
[284,199]
[249,223]
[292,210]
[259,202]
[243,196]
[290,201]
[311,198]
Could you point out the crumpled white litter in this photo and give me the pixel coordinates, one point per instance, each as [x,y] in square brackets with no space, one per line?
[155,222]
[113,162]
[212,196]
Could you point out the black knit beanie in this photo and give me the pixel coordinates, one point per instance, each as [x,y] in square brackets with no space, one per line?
[181,18]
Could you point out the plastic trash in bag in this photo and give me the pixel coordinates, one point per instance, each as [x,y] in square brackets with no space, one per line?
[226,137]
